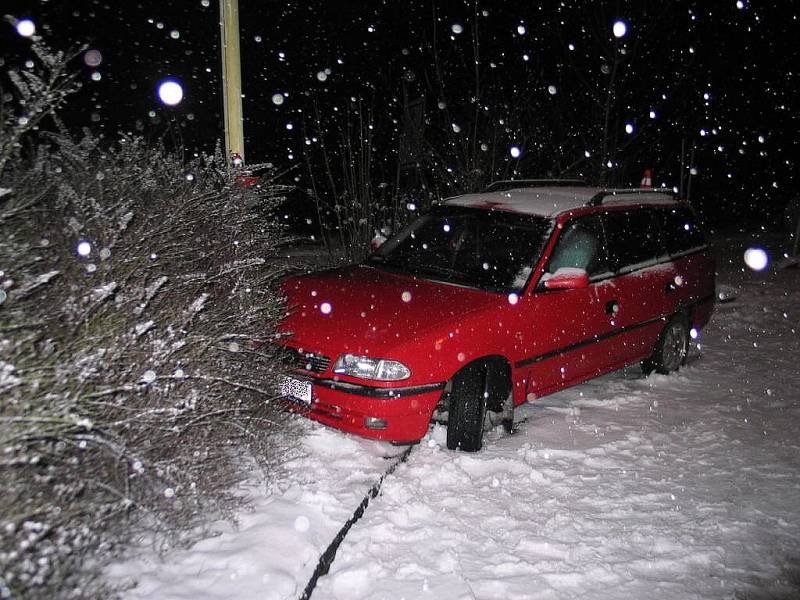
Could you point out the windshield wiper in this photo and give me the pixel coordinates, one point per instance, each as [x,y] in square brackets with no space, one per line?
[446,273]
[384,261]
[439,270]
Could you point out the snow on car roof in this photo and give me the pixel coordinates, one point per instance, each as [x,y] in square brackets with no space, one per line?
[551,201]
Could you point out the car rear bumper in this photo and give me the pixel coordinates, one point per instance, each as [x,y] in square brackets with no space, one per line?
[392,414]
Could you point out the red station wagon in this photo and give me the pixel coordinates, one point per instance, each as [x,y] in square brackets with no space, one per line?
[494,299]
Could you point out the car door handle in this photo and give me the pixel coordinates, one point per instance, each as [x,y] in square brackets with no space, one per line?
[612,307]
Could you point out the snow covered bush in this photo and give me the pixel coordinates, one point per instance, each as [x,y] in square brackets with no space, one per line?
[135,292]
[39,94]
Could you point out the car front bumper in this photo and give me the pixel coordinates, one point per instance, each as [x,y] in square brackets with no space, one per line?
[400,414]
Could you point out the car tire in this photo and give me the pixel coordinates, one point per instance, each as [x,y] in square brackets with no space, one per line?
[467,409]
[671,349]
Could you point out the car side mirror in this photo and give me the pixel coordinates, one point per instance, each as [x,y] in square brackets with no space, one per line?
[567,278]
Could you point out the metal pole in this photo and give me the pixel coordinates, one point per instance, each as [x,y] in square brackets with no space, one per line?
[683,167]
[231,78]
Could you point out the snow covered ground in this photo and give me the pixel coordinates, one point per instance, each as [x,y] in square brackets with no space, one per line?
[685,486]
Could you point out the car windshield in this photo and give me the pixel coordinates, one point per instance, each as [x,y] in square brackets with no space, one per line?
[490,250]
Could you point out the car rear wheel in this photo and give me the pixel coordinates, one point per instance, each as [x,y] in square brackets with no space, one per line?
[671,349]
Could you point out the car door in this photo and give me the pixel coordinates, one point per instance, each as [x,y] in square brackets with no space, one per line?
[693,288]
[644,279]
[569,331]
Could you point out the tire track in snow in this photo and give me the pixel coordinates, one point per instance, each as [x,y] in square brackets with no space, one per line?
[327,557]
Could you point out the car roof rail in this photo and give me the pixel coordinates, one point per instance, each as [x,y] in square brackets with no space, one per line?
[598,198]
[507,184]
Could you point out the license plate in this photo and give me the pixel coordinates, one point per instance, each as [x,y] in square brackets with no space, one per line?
[296,389]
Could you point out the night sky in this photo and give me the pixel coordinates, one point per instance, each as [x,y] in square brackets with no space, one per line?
[721,77]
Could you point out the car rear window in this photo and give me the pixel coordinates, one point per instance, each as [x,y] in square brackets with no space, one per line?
[682,233]
[634,239]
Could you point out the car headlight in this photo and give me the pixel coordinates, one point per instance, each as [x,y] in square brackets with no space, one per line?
[366,367]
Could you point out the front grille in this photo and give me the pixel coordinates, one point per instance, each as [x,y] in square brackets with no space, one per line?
[308,361]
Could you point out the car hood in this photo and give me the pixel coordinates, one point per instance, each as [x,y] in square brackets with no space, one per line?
[365,310]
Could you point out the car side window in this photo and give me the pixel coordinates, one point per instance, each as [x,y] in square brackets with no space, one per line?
[581,245]
[634,238]
[681,231]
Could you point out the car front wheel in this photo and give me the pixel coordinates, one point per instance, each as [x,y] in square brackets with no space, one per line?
[467,408]
[479,397]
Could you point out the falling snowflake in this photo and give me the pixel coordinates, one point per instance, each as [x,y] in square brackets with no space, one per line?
[84,248]
[170,92]
[92,58]
[301,524]
[756,258]
[26,28]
